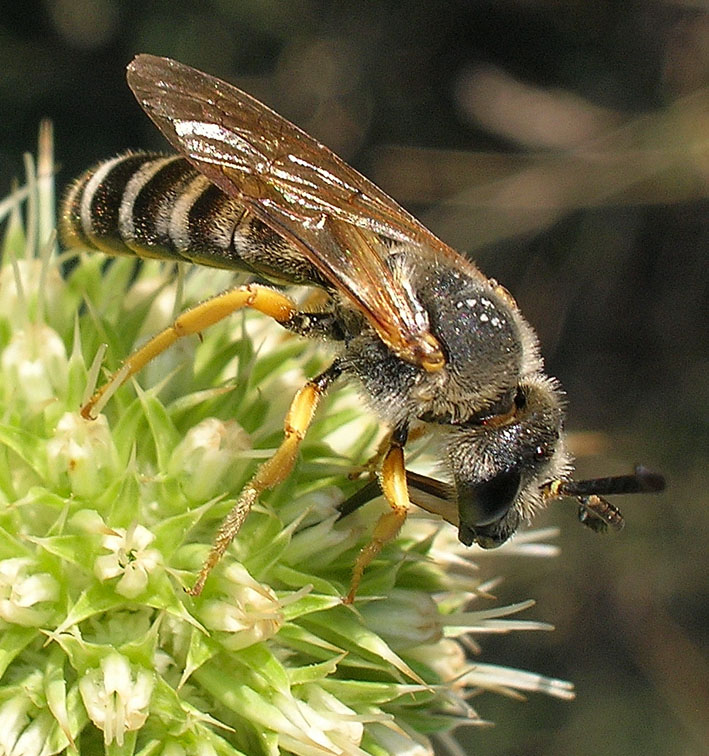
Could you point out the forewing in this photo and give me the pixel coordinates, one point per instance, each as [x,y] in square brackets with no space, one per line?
[335,216]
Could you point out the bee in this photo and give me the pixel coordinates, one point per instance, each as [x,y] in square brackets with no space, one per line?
[431,341]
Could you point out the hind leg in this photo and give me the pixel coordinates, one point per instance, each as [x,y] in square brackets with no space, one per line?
[261,298]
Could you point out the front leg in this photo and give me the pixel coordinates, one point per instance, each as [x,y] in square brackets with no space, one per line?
[393,482]
[374,462]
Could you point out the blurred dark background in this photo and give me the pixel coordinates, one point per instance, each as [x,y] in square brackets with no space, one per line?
[565,147]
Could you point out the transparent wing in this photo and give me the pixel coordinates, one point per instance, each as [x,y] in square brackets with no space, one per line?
[302,190]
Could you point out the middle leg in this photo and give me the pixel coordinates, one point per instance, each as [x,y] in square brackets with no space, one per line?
[272,472]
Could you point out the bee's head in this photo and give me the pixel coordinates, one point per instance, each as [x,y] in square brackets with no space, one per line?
[500,462]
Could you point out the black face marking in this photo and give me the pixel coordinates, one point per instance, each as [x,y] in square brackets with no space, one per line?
[488,501]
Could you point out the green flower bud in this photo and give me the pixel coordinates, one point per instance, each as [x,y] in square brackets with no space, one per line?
[21,590]
[204,457]
[405,619]
[34,365]
[83,453]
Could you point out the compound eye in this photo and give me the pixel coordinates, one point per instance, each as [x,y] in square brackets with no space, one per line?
[520,399]
[489,501]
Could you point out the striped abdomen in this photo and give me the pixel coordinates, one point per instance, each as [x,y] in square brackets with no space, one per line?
[155,206]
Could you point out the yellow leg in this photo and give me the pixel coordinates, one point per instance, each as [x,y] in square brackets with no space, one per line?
[195,320]
[272,472]
[373,463]
[389,524]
